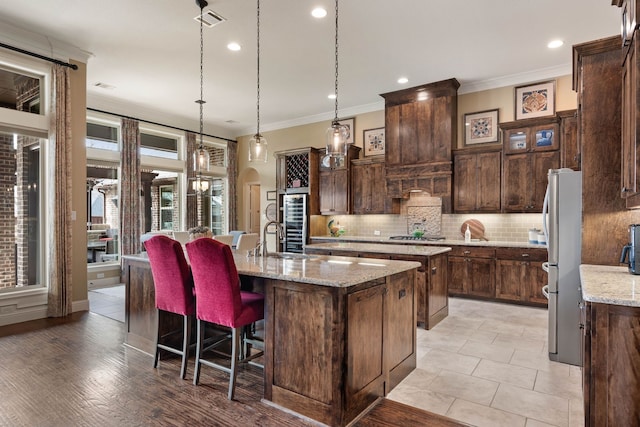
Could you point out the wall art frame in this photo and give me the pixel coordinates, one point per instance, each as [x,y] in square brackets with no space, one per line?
[482,127]
[535,100]
[373,142]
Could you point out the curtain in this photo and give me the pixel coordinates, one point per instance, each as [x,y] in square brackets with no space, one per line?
[192,202]
[59,253]
[232,175]
[129,198]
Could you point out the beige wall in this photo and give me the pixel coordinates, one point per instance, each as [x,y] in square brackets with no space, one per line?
[312,135]
[79,179]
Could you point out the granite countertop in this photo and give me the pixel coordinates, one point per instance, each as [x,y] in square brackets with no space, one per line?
[420,250]
[446,242]
[334,271]
[608,284]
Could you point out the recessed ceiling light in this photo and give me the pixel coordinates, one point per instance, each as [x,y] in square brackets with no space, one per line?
[332,96]
[234,46]
[319,12]
[554,44]
[403,80]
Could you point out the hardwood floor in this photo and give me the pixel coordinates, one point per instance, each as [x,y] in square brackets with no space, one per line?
[76,372]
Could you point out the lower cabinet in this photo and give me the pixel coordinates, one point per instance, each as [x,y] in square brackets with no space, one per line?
[472,271]
[611,365]
[519,275]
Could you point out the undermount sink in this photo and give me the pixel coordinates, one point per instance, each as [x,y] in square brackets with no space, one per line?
[290,255]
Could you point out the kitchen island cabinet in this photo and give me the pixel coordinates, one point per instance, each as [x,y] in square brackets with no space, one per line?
[431,277]
[339,332]
[611,343]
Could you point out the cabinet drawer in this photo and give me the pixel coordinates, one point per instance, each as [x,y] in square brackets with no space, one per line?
[528,254]
[472,251]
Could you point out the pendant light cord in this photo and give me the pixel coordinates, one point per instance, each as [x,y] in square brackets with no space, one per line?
[201,100]
[336,83]
[258,72]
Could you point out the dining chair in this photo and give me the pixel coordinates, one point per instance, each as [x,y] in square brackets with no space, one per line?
[221,302]
[227,239]
[174,293]
[247,242]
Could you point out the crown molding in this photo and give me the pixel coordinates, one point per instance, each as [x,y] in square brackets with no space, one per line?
[515,79]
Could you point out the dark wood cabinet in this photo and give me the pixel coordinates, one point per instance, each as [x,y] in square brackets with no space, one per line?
[472,271]
[630,187]
[420,130]
[476,180]
[369,188]
[297,172]
[569,146]
[611,365]
[335,183]
[531,148]
[519,275]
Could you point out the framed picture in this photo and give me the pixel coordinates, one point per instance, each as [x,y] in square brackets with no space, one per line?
[271,195]
[373,142]
[351,124]
[536,100]
[481,127]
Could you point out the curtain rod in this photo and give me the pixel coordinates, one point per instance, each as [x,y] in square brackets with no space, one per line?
[36,55]
[158,124]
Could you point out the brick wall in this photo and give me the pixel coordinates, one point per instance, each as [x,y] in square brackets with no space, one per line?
[7,225]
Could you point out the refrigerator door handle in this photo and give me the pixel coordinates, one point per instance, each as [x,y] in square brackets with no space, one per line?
[553,323]
[545,213]
[545,266]
[545,291]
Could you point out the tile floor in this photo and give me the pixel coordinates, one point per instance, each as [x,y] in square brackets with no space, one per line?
[487,364]
[108,302]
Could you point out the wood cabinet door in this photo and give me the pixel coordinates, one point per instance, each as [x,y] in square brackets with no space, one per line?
[465,183]
[535,279]
[365,346]
[629,123]
[360,189]
[488,179]
[380,202]
[516,180]
[541,164]
[326,192]
[437,284]
[400,307]
[481,277]
[569,145]
[340,191]
[509,279]
[392,135]
[456,273]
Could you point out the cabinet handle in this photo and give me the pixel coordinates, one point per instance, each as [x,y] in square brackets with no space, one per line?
[402,293]
[525,255]
[466,252]
[433,270]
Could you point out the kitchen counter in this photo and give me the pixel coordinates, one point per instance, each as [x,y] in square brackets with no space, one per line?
[420,250]
[607,284]
[446,242]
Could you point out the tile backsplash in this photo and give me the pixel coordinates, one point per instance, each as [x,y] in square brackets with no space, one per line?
[498,227]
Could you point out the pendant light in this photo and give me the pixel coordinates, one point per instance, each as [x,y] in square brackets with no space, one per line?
[200,162]
[337,134]
[258,143]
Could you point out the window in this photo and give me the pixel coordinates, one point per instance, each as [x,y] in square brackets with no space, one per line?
[158,146]
[102,137]
[214,210]
[20,91]
[166,207]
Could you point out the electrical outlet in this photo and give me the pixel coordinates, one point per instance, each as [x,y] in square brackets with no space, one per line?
[376,232]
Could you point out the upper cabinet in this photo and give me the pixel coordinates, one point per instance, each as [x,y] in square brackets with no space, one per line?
[531,148]
[476,180]
[420,130]
[369,189]
[335,178]
[570,148]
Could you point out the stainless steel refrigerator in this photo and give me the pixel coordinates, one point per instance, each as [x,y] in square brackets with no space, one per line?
[562,223]
[294,222]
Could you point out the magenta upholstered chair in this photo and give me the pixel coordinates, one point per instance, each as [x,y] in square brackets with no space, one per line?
[174,291]
[220,301]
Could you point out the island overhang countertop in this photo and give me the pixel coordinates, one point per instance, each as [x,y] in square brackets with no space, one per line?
[333,271]
[608,284]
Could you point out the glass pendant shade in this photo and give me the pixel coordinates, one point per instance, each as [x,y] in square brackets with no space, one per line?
[258,148]
[200,185]
[337,136]
[201,160]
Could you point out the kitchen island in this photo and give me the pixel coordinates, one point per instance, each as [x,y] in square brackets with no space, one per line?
[432,283]
[339,331]
[611,342]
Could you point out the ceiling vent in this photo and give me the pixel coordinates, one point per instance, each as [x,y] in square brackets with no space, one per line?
[210,18]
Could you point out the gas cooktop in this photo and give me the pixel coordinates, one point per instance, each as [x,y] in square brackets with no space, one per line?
[423,238]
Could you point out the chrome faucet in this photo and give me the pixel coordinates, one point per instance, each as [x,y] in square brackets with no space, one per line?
[279,236]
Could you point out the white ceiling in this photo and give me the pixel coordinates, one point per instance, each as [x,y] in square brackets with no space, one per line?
[149,51]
